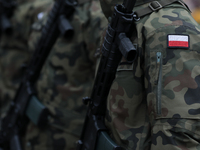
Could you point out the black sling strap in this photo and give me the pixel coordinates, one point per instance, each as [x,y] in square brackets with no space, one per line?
[155,6]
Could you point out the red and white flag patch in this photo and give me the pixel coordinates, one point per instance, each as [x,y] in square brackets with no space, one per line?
[178,41]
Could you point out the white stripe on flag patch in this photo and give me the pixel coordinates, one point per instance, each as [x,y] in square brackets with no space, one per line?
[175,41]
[178,38]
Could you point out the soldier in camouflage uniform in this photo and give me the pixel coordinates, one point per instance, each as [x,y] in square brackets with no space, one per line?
[154,102]
[67,76]
[14,49]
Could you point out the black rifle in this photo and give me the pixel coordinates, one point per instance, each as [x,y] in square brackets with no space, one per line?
[116,43]
[6,11]
[25,105]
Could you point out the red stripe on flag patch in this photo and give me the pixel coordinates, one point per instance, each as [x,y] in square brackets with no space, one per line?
[178,41]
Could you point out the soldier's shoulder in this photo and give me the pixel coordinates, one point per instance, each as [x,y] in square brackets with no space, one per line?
[170,18]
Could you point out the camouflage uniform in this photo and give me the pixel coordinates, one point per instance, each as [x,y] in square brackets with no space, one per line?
[154,102]
[14,49]
[66,77]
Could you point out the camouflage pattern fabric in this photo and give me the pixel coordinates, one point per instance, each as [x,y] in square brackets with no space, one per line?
[14,50]
[67,76]
[154,102]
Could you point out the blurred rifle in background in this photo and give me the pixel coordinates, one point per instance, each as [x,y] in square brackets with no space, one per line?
[6,11]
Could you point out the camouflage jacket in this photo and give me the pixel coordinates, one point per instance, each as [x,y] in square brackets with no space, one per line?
[162,83]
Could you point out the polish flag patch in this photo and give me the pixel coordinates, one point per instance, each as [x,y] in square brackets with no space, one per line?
[178,41]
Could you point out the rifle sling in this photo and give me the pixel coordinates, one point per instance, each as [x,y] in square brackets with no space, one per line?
[155,6]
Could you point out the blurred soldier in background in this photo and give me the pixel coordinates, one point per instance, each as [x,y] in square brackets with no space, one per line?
[14,50]
[66,78]
[67,75]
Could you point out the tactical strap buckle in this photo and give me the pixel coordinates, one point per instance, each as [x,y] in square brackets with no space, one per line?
[155,5]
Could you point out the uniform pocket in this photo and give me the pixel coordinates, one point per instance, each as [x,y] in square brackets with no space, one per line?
[155,87]
[158,81]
